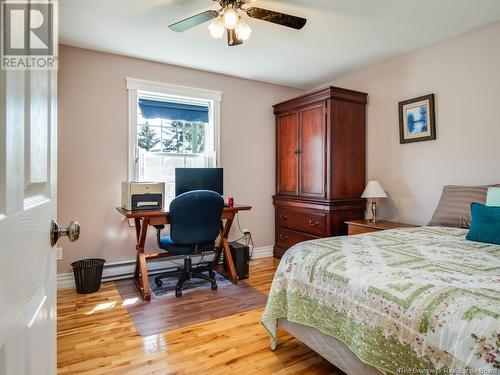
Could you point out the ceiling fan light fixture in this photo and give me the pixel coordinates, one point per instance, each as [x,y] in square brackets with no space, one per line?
[242,30]
[216,28]
[230,18]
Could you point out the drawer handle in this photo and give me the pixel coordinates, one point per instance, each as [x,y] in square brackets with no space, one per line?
[313,223]
[283,217]
[283,237]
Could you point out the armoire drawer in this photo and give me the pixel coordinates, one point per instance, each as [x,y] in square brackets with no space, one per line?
[286,238]
[302,221]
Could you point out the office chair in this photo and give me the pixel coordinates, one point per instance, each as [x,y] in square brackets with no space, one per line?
[195,222]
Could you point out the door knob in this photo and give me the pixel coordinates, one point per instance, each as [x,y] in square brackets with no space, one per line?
[56,232]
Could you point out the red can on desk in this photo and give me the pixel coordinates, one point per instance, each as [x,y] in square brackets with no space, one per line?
[230,201]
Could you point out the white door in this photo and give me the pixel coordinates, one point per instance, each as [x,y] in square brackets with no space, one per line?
[28,109]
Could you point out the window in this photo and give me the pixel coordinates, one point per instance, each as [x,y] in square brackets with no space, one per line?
[170,127]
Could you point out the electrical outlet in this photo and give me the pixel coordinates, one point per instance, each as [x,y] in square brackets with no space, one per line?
[59,253]
[246,231]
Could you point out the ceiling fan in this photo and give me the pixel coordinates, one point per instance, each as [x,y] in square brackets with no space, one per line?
[228,19]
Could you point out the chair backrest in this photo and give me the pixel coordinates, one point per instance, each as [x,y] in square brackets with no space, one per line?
[195,217]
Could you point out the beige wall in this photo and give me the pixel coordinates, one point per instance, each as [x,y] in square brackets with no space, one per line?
[93,147]
[464,73]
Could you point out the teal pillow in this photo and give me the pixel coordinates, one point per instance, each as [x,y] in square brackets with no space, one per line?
[493,197]
[485,224]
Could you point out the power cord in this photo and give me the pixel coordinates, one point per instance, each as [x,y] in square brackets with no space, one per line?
[247,236]
[201,259]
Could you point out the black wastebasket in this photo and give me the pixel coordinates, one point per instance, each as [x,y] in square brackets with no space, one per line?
[88,273]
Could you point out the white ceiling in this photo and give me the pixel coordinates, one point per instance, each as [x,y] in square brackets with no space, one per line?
[341,35]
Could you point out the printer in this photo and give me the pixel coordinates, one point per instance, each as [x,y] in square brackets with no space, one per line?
[138,196]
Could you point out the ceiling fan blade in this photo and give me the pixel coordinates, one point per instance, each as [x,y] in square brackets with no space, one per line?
[232,39]
[193,21]
[275,17]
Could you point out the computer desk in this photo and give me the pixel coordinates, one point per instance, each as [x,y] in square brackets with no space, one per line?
[143,219]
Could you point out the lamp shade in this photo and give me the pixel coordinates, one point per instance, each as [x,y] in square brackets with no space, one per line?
[374,190]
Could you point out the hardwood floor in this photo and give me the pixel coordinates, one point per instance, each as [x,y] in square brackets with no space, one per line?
[96,336]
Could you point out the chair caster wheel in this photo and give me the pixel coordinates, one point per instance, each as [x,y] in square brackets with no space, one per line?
[214,286]
[158,283]
[178,293]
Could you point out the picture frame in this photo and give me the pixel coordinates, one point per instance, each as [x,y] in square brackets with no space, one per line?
[417,120]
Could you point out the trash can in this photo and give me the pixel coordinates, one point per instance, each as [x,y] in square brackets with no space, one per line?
[88,273]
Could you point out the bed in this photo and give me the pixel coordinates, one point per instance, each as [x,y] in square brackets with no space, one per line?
[393,302]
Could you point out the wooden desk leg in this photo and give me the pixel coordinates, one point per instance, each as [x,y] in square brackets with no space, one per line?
[137,222]
[224,246]
[141,269]
[219,249]
[138,236]
[230,262]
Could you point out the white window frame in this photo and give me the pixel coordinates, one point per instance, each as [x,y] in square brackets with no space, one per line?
[136,86]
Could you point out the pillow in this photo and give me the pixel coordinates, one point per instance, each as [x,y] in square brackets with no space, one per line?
[453,209]
[493,197]
[485,225]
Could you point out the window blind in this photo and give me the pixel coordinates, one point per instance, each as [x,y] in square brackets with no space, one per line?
[151,109]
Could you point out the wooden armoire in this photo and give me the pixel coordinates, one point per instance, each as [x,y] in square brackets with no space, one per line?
[320,165]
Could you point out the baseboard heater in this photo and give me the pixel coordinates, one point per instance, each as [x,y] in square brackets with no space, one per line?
[126,269]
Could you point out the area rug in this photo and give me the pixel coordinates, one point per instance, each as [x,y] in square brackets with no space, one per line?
[167,312]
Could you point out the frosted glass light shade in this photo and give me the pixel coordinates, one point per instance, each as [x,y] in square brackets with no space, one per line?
[230,18]
[216,28]
[374,190]
[242,30]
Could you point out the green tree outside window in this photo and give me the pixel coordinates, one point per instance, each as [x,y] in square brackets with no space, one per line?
[147,138]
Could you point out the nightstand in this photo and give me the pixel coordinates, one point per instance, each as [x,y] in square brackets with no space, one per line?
[366,226]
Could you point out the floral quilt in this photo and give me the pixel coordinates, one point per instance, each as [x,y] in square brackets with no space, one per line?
[416,300]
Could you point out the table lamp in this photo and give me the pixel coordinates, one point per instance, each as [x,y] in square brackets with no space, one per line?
[373,191]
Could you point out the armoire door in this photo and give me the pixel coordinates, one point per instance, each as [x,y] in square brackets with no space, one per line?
[312,151]
[287,154]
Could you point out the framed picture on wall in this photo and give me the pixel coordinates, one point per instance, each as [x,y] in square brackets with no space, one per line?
[417,119]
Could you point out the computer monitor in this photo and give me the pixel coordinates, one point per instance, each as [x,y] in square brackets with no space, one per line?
[188,179]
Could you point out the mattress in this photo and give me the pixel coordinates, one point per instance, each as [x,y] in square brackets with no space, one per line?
[401,301]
